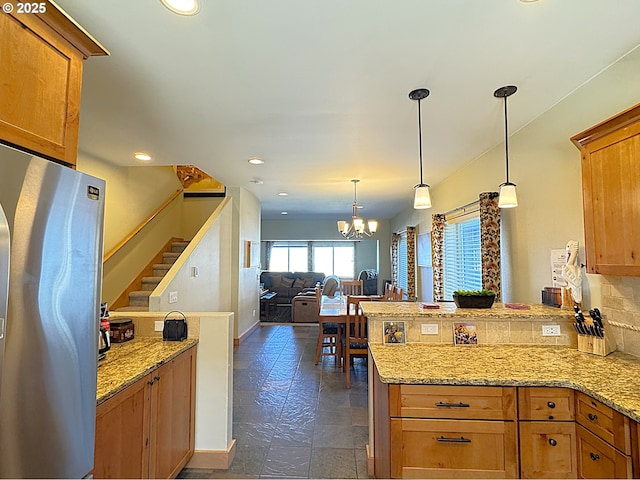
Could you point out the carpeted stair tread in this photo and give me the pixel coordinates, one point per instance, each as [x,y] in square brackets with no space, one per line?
[179,246]
[170,257]
[133,308]
[150,283]
[139,298]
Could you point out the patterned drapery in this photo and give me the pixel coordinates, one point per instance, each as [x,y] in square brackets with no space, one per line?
[490,242]
[411,262]
[437,253]
[395,242]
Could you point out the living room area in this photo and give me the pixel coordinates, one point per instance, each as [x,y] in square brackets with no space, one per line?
[295,255]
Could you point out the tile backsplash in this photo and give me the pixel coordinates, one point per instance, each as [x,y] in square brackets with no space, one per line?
[620,298]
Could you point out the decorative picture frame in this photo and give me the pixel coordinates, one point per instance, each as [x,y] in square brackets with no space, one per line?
[424,250]
[393,333]
[465,333]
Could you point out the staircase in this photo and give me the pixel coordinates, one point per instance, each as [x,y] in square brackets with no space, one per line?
[139,299]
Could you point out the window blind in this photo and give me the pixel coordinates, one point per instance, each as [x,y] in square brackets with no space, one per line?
[462,257]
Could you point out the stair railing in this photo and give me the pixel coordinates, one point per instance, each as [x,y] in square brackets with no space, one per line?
[140,227]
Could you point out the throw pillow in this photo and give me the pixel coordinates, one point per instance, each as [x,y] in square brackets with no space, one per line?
[308,282]
[287,282]
[276,280]
[299,283]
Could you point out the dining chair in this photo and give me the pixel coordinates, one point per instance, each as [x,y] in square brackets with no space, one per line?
[397,293]
[351,287]
[328,334]
[388,291]
[355,335]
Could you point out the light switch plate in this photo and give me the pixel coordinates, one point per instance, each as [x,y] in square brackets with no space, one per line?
[429,329]
[173,297]
[159,325]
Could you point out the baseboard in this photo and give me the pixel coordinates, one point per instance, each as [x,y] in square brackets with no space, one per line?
[242,338]
[214,459]
[370,463]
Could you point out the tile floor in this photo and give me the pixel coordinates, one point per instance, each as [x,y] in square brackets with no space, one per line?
[291,418]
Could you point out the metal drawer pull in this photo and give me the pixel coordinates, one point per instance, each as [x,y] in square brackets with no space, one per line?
[454,440]
[593,417]
[453,405]
[594,456]
[552,442]
[551,405]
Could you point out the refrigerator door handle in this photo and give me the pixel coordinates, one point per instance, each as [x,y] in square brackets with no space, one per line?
[5,246]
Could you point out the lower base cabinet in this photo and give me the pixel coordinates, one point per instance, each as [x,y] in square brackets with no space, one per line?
[598,459]
[453,448]
[548,450]
[147,430]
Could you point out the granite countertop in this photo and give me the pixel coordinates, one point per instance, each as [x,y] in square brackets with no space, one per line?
[611,379]
[449,309]
[128,362]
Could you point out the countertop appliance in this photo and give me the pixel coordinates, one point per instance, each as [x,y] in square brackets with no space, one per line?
[51,223]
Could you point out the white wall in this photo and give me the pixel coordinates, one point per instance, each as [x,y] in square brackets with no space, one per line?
[210,251]
[245,281]
[545,165]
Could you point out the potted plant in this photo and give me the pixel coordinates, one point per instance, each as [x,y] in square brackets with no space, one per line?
[474,298]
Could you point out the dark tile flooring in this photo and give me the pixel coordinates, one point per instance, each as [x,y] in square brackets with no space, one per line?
[291,418]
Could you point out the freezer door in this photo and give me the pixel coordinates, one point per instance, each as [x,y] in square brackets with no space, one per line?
[48,396]
[5,242]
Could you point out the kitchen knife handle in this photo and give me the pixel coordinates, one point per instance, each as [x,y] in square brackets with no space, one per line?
[452,405]
[453,440]
[593,417]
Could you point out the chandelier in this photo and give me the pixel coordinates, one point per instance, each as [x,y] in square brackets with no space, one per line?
[357,228]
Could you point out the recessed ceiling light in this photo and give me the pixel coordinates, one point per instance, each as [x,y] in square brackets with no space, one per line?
[255,161]
[282,194]
[145,157]
[528,1]
[257,181]
[182,7]
[284,213]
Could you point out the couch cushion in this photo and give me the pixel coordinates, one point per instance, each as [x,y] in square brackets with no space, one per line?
[308,282]
[287,282]
[298,283]
[276,280]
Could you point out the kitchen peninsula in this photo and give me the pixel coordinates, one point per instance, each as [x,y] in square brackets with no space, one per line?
[499,409]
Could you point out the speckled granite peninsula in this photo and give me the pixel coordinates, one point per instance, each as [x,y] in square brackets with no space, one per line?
[613,380]
[449,310]
[128,362]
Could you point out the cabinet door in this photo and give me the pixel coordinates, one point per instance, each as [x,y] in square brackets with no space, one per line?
[548,450]
[122,433]
[40,91]
[453,449]
[613,427]
[173,417]
[545,403]
[611,192]
[598,459]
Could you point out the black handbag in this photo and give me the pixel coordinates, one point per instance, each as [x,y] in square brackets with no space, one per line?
[175,329]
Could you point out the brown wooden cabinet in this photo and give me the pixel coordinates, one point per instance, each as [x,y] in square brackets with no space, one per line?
[547,432]
[41,58]
[147,430]
[611,192]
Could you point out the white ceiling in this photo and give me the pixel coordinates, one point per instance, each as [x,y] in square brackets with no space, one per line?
[319,88]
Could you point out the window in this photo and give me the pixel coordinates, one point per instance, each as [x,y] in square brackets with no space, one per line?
[334,258]
[331,258]
[462,262]
[289,257]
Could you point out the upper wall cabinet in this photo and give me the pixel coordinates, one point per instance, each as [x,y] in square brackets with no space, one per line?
[41,54]
[611,193]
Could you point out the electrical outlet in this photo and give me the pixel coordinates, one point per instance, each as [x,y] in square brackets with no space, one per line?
[195,271]
[550,330]
[173,297]
[254,312]
[429,329]
[159,325]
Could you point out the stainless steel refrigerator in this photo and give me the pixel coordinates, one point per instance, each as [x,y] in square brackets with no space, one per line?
[51,224]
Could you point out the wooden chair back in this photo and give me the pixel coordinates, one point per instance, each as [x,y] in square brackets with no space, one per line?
[356,321]
[351,287]
[388,291]
[397,293]
[318,292]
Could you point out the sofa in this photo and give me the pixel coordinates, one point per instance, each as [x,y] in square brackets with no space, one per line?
[288,284]
[304,306]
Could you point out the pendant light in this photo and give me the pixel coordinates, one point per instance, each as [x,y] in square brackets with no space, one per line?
[421,198]
[508,198]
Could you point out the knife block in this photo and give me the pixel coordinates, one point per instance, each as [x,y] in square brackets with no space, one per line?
[596,345]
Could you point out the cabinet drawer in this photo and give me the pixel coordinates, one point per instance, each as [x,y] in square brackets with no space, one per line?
[445,401]
[453,449]
[548,450]
[598,459]
[606,423]
[546,403]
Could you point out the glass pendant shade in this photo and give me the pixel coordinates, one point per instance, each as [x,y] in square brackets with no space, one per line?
[358,224]
[508,197]
[373,226]
[422,198]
